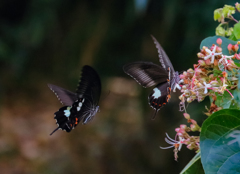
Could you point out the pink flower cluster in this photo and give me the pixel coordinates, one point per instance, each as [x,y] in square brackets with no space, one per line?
[192,142]
[209,75]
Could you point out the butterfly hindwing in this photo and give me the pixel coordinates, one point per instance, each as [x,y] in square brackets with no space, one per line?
[68,117]
[64,96]
[146,74]
[160,96]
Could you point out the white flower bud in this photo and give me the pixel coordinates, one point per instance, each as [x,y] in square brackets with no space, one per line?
[189,100]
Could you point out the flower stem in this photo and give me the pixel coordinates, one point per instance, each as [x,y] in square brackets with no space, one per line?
[230,93]
[231,17]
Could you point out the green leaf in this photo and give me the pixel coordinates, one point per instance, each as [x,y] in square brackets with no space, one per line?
[229,31]
[194,166]
[220,31]
[238,80]
[236,93]
[228,10]
[234,105]
[232,37]
[236,30]
[236,62]
[212,40]
[224,100]
[220,153]
[217,14]
[217,73]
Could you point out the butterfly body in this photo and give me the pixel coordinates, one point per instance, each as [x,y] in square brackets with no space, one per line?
[79,106]
[163,77]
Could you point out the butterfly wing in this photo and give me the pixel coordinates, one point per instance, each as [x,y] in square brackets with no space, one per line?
[89,89]
[62,119]
[64,96]
[90,85]
[85,106]
[67,116]
[146,74]
[160,96]
[163,58]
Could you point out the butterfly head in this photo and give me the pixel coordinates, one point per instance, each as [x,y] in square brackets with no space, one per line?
[175,82]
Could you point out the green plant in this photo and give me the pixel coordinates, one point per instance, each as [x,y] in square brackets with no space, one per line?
[217,76]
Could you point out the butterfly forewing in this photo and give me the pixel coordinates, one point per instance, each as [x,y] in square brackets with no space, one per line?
[163,58]
[65,97]
[90,85]
[146,74]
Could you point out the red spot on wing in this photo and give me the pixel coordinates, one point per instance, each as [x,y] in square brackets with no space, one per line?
[76,121]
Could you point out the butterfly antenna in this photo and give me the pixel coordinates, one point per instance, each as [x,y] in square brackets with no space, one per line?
[54,130]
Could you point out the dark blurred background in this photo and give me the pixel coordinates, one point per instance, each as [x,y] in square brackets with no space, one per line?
[48,41]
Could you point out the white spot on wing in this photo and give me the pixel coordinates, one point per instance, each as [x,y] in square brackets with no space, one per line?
[67,113]
[80,105]
[169,74]
[157,93]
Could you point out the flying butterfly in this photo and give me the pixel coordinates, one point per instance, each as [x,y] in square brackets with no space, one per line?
[79,106]
[163,77]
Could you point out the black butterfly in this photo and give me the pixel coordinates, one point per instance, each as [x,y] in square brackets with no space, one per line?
[149,74]
[79,106]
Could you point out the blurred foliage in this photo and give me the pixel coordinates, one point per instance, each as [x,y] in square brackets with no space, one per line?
[48,41]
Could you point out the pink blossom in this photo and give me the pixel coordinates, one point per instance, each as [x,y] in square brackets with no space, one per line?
[173,142]
[229,47]
[193,127]
[201,62]
[183,126]
[219,41]
[186,115]
[235,47]
[237,56]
